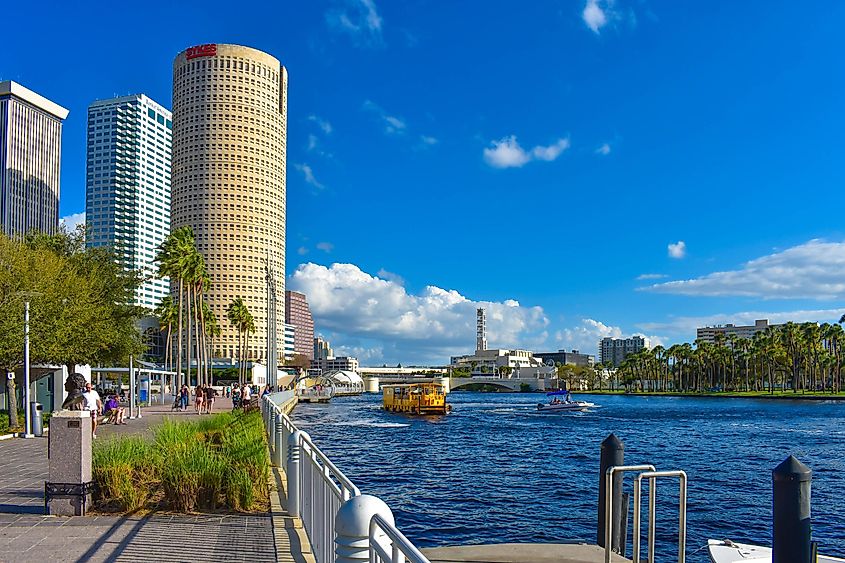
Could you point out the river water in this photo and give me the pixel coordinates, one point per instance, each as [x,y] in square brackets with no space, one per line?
[495,471]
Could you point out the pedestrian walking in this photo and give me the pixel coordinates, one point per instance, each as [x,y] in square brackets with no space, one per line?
[200,399]
[183,398]
[93,404]
[209,398]
[246,396]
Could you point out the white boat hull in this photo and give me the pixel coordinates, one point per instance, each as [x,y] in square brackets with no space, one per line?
[563,407]
[732,552]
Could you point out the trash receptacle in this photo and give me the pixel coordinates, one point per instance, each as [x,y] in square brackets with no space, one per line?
[36,414]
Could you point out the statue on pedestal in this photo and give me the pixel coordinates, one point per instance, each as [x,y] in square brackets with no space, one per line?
[74,385]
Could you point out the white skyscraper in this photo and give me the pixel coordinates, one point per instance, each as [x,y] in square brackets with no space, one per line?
[127,203]
[30,160]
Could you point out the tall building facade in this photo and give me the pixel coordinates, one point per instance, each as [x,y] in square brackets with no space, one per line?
[127,186]
[708,333]
[322,349]
[228,184]
[298,314]
[613,351]
[290,341]
[572,358]
[30,160]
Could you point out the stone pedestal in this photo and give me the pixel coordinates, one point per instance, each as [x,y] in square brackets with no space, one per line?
[68,488]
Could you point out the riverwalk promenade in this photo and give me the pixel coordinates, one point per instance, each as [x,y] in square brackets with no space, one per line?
[27,535]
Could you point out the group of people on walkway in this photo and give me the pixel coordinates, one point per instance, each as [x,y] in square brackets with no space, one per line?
[111,409]
[203,398]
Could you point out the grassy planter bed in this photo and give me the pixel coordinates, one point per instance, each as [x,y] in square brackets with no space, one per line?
[213,463]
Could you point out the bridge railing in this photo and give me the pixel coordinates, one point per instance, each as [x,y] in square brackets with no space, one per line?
[337,518]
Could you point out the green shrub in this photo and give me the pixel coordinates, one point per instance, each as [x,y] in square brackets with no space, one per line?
[210,462]
[126,471]
[4,422]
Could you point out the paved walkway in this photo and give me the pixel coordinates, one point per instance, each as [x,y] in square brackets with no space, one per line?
[26,535]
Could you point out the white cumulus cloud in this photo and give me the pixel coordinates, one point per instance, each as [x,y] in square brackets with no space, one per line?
[813,270]
[427,326]
[70,222]
[550,152]
[507,153]
[651,276]
[603,150]
[325,246]
[585,336]
[677,250]
[594,15]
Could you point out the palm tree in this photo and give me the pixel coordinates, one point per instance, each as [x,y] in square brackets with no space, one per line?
[240,317]
[212,329]
[166,314]
[174,257]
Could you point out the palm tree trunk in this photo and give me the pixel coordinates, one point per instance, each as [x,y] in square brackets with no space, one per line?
[247,355]
[190,356]
[240,357]
[167,348]
[197,338]
[179,342]
[201,334]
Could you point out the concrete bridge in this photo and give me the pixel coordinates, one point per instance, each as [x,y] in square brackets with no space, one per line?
[373,384]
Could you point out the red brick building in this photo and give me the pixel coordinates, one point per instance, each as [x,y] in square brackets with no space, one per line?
[298,314]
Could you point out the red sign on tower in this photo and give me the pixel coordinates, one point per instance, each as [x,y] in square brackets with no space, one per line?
[209,50]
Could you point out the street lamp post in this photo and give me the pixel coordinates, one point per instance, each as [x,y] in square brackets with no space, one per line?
[26,407]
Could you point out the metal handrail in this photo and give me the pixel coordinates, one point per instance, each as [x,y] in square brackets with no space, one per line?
[345,488]
[652,477]
[608,513]
[401,548]
[324,488]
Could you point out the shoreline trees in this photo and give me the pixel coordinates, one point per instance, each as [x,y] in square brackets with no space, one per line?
[797,357]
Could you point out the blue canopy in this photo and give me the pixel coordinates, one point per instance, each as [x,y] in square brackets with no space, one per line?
[561,392]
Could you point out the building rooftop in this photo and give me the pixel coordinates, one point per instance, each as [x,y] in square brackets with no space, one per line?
[11,87]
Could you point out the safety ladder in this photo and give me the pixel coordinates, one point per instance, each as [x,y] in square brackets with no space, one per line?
[645,472]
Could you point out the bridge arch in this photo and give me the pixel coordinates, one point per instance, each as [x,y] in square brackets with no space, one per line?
[505,384]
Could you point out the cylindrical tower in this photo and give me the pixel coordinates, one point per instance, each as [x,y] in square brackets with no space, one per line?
[228,178]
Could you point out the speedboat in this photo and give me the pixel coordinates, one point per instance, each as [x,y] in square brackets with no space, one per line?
[561,401]
[726,551]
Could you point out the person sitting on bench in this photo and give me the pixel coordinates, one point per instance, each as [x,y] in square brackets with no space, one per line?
[113,411]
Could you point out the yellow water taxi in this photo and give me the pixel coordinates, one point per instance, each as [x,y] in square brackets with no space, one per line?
[415,398]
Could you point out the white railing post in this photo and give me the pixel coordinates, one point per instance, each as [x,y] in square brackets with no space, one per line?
[277,441]
[352,527]
[293,473]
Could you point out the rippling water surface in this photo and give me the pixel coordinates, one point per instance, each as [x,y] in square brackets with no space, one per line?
[496,471]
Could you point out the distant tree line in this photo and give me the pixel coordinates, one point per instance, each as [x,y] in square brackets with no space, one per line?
[800,357]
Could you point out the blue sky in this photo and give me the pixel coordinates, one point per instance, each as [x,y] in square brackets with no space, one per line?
[580,168]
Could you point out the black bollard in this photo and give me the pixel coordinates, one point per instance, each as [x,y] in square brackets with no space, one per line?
[612,454]
[791,530]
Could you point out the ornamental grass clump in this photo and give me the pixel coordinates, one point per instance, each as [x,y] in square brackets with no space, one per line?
[249,468]
[210,463]
[126,472]
[192,476]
